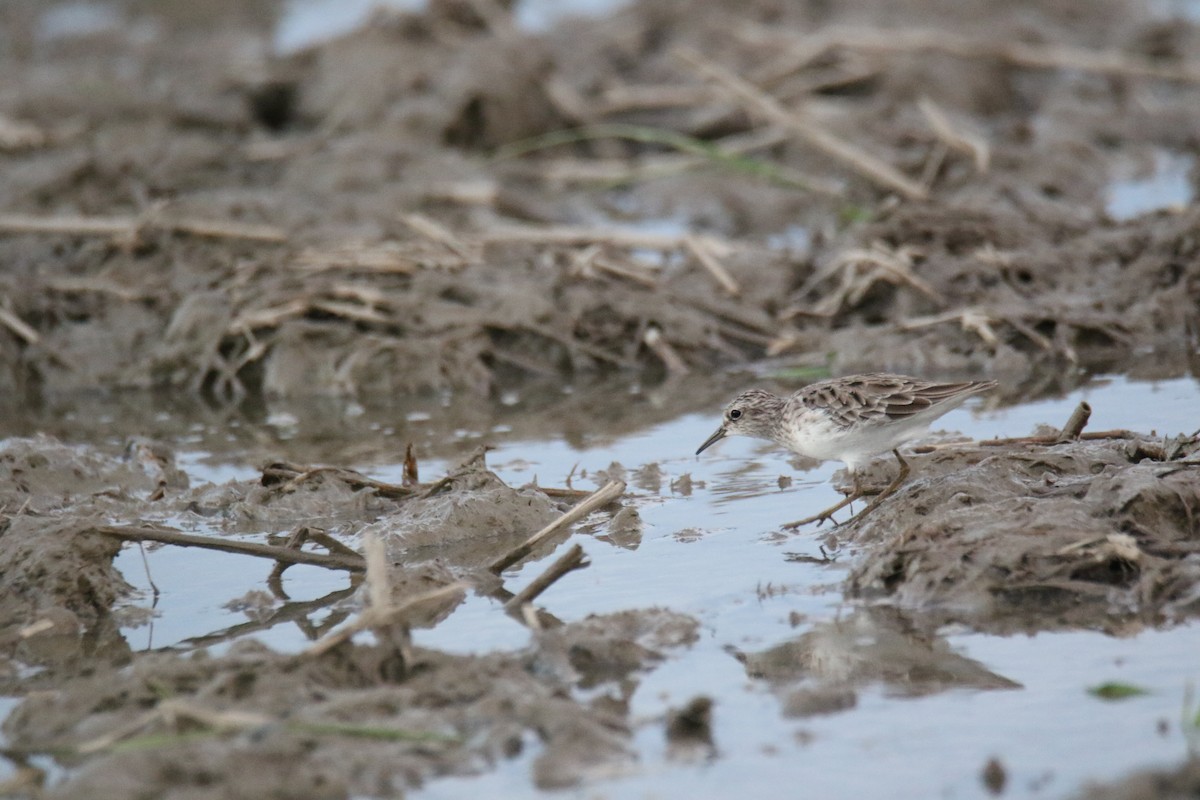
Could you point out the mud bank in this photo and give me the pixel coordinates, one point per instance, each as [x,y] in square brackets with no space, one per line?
[210,215]
[1094,534]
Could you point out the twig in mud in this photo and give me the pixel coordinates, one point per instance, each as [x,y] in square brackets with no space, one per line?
[288,556]
[751,98]
[702,251]
[1095,436]
[597,499]
[437,233]
[964,142]
[659,345]
[21,329]
[580,235]
[1086,437]
[149,577]
[970,319]
[295,541]
[466,193]
[528,615]
[592,258]
[74,285]
[129,226]
[980,323]
[569,561]
[381,612]
[1076,422]
[563,494]
[410,477]
[291,475]
[862,268]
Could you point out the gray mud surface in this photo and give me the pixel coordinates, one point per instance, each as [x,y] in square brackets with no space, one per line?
[1091,534]
[380,218]
[260,238]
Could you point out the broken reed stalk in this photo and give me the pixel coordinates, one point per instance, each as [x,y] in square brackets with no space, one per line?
[284,554]
[128,226]
[379,617]
[702,251]
[658,344]
[1076,422]
[751,98]
[1094,436]
[569,561]
[971,145]
[597,499]
[286,476]
[1119,433]
[576,235]
[19,327]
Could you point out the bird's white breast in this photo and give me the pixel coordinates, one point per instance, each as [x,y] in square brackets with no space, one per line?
[813,434]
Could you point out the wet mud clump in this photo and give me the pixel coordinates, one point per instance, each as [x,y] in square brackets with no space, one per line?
[58,577]
[1096,534]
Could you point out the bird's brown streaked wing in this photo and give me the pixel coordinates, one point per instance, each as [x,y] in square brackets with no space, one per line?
[881,397]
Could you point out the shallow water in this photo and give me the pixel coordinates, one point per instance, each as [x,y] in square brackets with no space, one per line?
[1164,183]
[306,23]
[719,555]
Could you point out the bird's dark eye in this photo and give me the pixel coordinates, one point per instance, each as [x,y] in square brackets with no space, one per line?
[735,413]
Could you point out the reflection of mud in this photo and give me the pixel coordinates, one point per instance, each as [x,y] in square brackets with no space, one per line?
[820,671]
[1095,534]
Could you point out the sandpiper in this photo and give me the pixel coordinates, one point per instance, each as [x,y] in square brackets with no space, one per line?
[846,419]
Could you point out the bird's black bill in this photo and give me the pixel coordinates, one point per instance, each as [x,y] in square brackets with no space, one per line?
[716,437]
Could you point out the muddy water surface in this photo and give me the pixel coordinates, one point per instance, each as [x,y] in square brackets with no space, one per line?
[807,686]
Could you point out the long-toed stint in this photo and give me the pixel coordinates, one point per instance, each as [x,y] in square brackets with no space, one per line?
[846,419]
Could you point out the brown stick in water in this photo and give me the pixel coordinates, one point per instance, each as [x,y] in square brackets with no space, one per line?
[598,499]
[285,554]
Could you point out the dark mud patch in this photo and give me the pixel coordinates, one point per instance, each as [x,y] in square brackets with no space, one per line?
[1090,534]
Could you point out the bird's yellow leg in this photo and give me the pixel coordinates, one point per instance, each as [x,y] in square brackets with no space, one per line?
[888,491]
[828,513]
[858,492]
